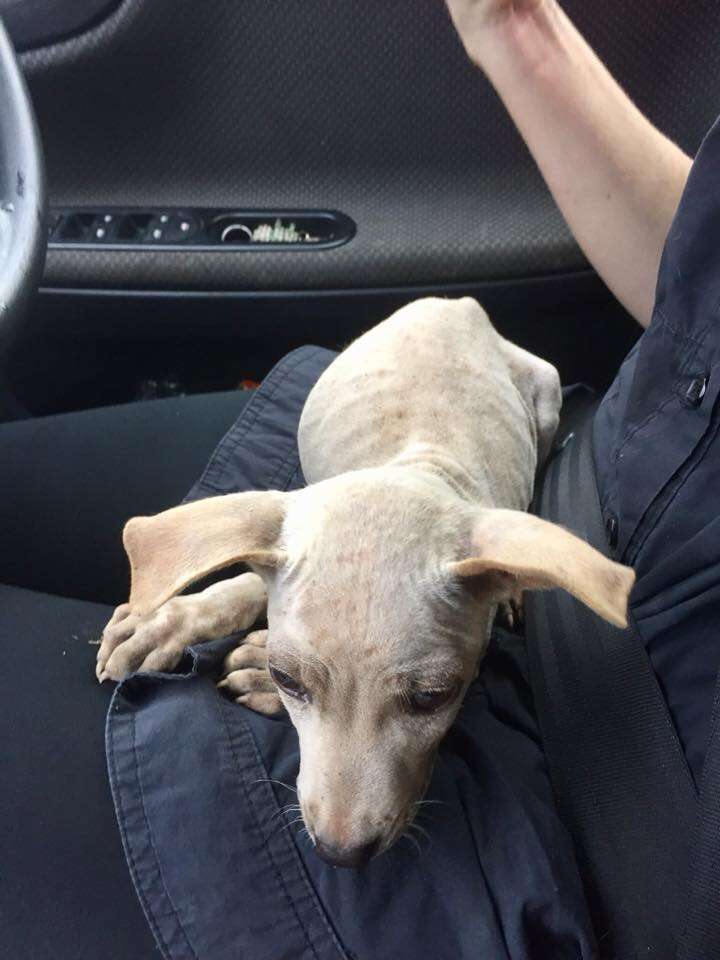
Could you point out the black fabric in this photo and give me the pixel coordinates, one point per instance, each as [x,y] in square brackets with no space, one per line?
[623,787]
[701,929]
[369,107]
[656,435]
[65,892]
[656,455]
[68,483]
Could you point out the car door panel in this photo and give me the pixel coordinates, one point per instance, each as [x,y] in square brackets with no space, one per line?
[370,108]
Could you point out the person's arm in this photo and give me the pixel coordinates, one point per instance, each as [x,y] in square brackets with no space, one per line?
[616,179]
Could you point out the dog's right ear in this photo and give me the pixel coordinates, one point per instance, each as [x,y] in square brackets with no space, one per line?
[173,549]
[511,551]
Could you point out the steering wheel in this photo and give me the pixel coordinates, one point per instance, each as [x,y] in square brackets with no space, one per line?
[23,229]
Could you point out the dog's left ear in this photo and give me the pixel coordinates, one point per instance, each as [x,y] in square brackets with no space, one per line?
[173,549]
[513,551]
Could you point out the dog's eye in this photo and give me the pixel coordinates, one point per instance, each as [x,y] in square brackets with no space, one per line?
[429,700]
[292,687]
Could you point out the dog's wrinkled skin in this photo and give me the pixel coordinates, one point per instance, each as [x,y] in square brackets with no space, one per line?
[420,445]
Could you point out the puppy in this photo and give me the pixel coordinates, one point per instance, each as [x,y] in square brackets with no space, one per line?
[420,445]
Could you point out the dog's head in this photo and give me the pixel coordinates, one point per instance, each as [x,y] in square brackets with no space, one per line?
[382,589]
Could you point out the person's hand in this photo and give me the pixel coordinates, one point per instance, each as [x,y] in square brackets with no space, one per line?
[476,21]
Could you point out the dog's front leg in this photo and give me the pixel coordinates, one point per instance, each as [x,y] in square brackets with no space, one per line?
[156,641]
[245,676]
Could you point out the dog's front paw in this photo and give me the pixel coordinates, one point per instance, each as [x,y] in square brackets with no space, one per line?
[154,642]
[510,612]
[245,676]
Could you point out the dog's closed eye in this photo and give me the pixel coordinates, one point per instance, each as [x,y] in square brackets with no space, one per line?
[421,699]
[289,685]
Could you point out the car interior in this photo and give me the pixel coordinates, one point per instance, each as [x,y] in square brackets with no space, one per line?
[226,181]
[189,190]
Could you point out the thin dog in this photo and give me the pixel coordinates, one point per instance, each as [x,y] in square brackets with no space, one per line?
[420,444]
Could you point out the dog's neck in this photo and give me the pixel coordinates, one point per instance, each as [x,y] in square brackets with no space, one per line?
[426,458]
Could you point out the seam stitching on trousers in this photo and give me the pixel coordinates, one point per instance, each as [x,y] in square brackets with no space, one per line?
[266,846]
[152,844]
[132,863]
[309,888]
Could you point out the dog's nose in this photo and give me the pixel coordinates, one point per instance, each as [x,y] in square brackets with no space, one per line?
[355,856]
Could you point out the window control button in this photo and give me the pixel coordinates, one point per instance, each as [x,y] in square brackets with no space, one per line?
[200,228]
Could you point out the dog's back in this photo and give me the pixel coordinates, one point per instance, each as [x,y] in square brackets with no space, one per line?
[435,380]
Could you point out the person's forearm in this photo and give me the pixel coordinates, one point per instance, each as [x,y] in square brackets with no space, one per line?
[616,179]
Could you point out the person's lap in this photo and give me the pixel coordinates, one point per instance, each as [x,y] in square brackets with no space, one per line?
[220,874]
[67,484]
[498,876]
[65,890]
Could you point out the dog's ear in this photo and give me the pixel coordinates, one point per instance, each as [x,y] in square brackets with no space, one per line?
[173,549]
[512,551]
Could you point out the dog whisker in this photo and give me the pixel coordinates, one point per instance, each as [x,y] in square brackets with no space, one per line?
[290,824]
[290,808]
[278,782]
[420,811]
[405,835]
[420,830]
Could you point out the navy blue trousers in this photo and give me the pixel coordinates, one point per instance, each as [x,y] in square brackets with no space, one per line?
[200,785]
